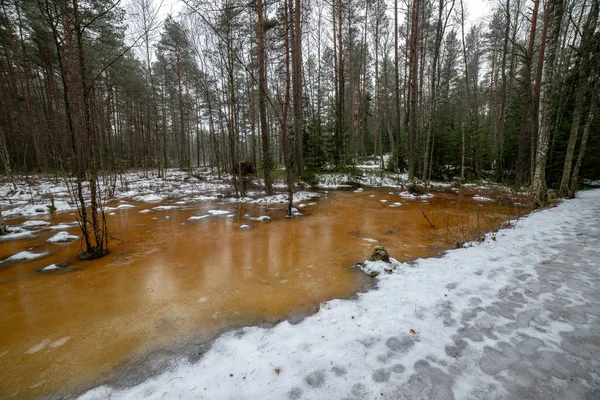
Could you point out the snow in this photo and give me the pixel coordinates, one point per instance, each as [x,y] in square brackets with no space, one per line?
[374,268]
[514,317]
[219,212]
[35,223]
[408,195]
[60,342]
[25,256]
[51,267]
[197,217]
[146,211]
[62,237]
[481,198]
[149,198]
[33,210]
[63,226]
[38,347]
[16,233]
[244,226]
[159,208]
[365,178]
[299,196]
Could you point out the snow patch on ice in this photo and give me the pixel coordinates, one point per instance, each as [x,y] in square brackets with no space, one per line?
[62,237]
[63,226]
[16,233]
[197,217]
[59,342]
[38,347]
[408,195]
[51,267]
[219,212]
[35,223]
[25,256]
[159,208]
[149,198]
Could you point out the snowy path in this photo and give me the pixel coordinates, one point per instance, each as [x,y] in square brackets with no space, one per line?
[513,318]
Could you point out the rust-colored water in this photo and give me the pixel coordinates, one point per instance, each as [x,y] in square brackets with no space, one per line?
[171,278]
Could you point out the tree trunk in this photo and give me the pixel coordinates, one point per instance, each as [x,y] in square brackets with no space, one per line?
[99,246]
[414,65]
[585,49]
[539,190]
[297,89]
[262,98]
[525,131]
[584,138]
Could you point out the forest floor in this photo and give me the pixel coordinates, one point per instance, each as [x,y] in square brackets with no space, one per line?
[516,317]
[37,195]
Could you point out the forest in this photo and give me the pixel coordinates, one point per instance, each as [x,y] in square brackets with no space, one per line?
[91,88]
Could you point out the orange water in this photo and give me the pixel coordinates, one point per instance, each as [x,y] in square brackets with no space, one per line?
[169,278]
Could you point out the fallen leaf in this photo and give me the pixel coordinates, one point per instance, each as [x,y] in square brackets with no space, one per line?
[230,374]
[413,332]
[353,317]
[277,371]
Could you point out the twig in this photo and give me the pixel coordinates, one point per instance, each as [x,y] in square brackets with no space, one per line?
[425,215]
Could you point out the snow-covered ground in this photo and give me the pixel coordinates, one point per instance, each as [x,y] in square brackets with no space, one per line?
[516,317]
[38,195]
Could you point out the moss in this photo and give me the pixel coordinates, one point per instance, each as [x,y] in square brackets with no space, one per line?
[380,254]
[373,274]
